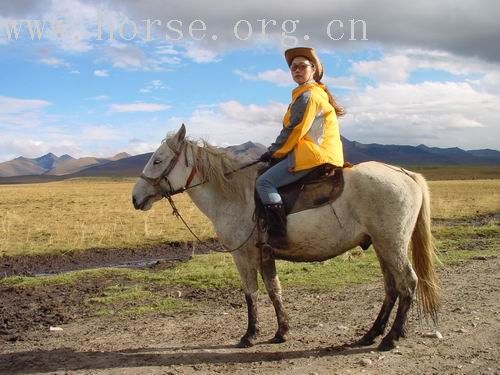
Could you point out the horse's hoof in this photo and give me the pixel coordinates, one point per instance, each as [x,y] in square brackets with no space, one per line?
[278,339]
[386,344]
[363,341]
[245,343]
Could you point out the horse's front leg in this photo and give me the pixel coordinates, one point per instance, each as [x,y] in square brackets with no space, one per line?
[273,288]
[248,275]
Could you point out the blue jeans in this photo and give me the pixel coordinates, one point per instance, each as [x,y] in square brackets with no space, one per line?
[277,176]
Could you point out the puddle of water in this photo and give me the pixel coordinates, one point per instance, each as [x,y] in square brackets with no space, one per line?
[143,263]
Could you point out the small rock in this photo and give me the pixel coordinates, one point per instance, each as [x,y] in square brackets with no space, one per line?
[474,324]
[365,362]
[459,367]
[313,373]
[381,357]
[55,329]
[178,294]
[343,328]
[461,330]
[480,257]
[398,352]
[433,335]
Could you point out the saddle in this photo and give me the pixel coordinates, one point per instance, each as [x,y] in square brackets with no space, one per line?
[323,185]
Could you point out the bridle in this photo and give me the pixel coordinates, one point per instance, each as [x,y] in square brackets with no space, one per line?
[155,182]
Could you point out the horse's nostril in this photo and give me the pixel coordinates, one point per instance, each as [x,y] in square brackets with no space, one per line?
[134,201]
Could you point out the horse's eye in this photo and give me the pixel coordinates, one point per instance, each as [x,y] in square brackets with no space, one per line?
[157,161]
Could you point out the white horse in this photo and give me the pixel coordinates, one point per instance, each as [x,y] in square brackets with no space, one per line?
[381,204]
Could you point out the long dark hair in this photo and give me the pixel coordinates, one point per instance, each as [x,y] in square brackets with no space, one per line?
[339,110]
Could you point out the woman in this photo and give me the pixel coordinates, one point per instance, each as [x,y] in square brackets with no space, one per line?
[310,137]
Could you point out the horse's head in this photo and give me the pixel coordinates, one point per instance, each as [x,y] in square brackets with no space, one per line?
[165,173]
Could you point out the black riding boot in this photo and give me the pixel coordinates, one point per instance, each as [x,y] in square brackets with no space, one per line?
[276,225]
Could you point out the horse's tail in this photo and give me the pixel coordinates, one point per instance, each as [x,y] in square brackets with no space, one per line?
[424,254]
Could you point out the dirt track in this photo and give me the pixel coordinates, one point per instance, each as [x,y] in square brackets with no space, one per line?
[202,341]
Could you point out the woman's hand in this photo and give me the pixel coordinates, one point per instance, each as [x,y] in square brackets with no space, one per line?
[266,157]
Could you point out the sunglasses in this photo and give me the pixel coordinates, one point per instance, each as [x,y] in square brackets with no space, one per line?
[301,66]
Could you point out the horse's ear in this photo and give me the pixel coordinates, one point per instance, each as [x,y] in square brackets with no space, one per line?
[180,135]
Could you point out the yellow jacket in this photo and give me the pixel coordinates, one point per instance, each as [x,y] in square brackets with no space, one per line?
[310,130]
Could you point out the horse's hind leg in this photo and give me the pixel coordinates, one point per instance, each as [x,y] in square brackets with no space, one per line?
[380,323]
[248,275]
[273,288]
[406,284]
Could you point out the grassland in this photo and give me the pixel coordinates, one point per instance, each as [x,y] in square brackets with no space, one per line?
[87,213]
[71,215]
[81,214]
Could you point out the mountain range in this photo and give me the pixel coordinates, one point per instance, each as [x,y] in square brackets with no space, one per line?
[51,164]
[49,167]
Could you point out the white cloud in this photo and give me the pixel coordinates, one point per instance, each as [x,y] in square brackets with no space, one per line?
[99,133]
[135,57]
[101,73]
[276,76]
[396,65]
[153,85]
[99,97]
[232,122]
[136,146]
[16,112]
[17,105]
[138,107]
[52,61]
[126,56]
[340,82]
[388,69]
[200,54]
[438,114]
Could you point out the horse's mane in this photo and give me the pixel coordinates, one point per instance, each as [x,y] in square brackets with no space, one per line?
[214,164]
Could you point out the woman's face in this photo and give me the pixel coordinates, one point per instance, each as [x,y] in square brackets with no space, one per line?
[302,70]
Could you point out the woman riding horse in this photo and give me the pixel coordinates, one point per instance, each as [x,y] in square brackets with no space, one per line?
[310,137]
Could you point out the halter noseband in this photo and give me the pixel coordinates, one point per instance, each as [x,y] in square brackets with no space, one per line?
[164,175]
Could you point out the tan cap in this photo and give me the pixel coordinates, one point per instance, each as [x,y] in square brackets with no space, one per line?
[309,54]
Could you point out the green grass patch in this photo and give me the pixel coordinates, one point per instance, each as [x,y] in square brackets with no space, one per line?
[133,300]
[330,274]
[67,278]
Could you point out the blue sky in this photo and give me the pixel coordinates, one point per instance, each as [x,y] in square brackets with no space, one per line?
[414,78]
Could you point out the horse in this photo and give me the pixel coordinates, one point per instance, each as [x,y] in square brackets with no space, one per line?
[382,205]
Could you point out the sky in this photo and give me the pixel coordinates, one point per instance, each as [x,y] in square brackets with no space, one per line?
[104,77]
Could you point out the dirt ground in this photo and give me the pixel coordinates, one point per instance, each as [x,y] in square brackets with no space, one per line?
[202,341]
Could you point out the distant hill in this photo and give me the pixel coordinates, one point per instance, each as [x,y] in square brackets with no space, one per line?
[356,152]
[50,168]
[52,165]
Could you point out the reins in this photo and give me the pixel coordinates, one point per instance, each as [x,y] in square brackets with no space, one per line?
[177,214]
[187,186]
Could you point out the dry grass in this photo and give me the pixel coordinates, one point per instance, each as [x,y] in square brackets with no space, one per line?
[86,213]
[461,199]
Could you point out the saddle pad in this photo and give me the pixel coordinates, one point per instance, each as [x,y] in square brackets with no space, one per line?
[308,194]
[320,187]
